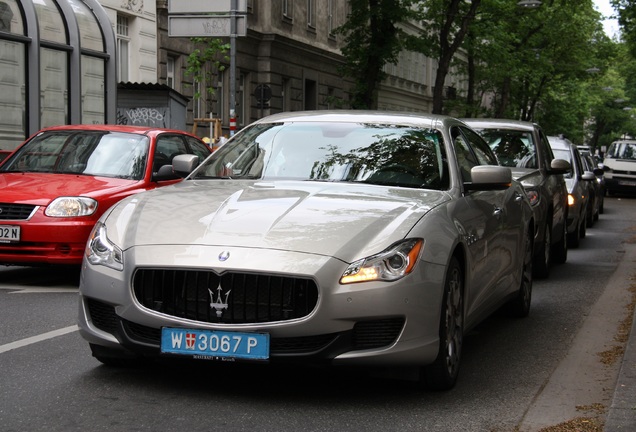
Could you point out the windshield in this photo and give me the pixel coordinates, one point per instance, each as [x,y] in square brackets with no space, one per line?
[350,152]
[106,154]
[513,148]
[622,150]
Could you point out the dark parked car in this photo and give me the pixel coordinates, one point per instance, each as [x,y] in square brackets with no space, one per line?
[597,188]
[524,148]
[577,181]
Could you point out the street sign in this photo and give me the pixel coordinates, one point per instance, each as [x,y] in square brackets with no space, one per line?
[263,93]
[205,26]
[204,6]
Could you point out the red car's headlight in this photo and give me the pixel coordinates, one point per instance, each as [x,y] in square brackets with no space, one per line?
[71,207]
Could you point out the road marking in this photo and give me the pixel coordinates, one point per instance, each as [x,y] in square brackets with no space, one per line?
[46,290]
[15,290]
[39,338]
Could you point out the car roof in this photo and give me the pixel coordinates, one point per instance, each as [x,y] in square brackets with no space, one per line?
[347,116]
[145,130]
[558,142]
[489,123]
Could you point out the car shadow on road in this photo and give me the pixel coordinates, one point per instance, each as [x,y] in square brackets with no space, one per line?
[53,276]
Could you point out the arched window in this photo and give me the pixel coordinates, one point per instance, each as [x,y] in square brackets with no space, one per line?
[12,74]
[69,46]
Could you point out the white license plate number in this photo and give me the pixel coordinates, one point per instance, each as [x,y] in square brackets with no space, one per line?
[9,233]
[627,183]
[215,345]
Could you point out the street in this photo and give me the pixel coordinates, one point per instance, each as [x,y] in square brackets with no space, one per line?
[49,381]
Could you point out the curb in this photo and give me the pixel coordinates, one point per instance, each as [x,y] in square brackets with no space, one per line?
[621,415]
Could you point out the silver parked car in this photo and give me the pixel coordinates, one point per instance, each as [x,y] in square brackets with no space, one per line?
[344,237]
[578,183]
[524,147]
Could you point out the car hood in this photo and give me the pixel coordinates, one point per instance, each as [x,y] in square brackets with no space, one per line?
[528,177]
[620,164]
[42,188]
[330,219]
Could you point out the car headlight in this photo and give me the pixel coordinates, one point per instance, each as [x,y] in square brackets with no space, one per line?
[389,265]
[71,207]
[533,196]
[101,251]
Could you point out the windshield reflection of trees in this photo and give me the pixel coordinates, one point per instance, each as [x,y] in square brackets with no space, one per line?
[377,154]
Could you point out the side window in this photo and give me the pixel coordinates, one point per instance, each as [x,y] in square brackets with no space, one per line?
[168,146]
[198,148]
[483,152]
[465,158]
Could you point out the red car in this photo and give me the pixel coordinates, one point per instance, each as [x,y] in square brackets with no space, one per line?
[56,185]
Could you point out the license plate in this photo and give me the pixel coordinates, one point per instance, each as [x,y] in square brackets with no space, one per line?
[9,233]
[215,345]
[627,183]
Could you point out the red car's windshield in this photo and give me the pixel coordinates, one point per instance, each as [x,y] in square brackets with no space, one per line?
[107,154]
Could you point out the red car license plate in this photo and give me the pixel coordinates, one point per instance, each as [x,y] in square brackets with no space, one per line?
[9,233]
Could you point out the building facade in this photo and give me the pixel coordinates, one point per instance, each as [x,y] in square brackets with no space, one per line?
[80,51]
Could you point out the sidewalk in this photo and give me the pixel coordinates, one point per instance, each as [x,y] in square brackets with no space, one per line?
[581,382]
[621,415]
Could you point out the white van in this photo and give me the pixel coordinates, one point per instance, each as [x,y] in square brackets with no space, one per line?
[620,167]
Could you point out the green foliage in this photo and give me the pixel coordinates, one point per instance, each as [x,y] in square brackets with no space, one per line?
[372,40]
[208,52]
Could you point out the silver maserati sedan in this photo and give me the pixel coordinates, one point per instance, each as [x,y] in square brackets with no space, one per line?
[331,237]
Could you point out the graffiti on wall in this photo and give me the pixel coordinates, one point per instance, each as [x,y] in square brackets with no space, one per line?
[141,116]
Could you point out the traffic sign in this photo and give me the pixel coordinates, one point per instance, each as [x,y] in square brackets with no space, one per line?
[204,6]
[205,26]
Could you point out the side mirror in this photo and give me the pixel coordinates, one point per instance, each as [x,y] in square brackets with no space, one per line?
[184,164]
[165,173]
[588,176]
[489,177]
[559,166]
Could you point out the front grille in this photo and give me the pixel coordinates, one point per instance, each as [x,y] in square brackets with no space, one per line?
[231,298]
[16,211]
[376,334]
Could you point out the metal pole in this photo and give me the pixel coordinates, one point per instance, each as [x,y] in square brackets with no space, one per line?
[233,36]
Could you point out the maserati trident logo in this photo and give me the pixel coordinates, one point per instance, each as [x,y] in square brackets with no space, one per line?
[219,305]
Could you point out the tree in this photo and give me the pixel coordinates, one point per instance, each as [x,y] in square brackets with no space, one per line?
[209,51]
[372,40]
[448,23]
[626,12]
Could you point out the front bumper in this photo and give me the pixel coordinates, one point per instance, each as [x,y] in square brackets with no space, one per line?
[375,323]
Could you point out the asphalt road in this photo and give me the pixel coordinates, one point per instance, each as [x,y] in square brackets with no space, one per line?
[516,374]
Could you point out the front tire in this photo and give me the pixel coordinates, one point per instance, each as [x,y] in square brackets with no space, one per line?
[442,373]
